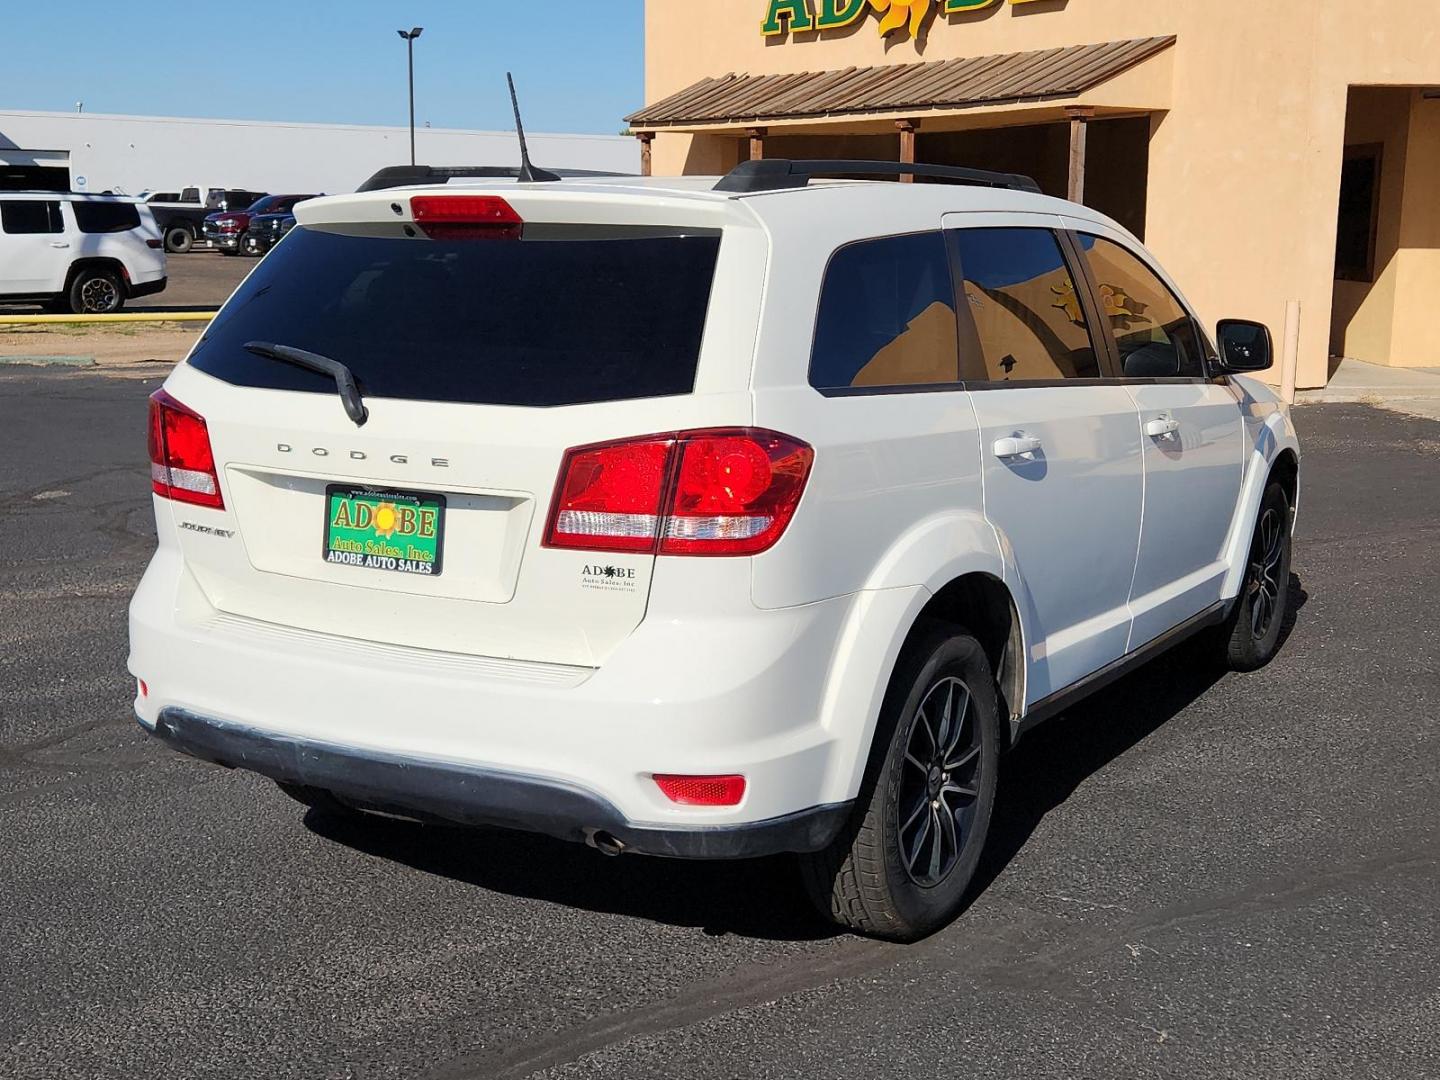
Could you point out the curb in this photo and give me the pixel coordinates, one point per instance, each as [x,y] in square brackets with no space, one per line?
[48,361]
[122,317]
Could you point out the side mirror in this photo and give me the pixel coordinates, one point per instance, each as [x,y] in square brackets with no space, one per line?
[1244,346]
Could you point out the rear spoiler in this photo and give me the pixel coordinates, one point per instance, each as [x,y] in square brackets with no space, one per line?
[409,175]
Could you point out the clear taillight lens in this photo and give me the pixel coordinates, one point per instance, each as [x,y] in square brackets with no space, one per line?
[724,491]
[182,466]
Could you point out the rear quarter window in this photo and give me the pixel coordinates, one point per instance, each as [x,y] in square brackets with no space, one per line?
[576,317]
[97,217]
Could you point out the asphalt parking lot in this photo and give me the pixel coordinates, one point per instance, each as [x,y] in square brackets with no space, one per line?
[1192,876]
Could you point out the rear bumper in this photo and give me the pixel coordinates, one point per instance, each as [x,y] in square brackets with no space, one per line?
[147,288]
[473,795]
[660,703]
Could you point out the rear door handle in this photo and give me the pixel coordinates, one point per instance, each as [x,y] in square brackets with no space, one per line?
[59,244]
[1162,427]
[1016,446]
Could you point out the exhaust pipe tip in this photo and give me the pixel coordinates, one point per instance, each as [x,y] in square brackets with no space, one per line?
[604,842]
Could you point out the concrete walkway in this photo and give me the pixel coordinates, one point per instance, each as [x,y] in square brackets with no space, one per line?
[1409,390]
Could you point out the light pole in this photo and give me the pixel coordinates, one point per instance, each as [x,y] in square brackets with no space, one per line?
[410,37]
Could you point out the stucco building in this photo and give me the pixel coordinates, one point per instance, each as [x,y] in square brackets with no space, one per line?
[1268,152]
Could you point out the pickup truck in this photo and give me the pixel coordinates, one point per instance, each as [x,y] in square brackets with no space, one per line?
[181,214]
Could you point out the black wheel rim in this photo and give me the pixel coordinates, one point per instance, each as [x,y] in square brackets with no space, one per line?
[98,295]
[1263,582]
[940,783]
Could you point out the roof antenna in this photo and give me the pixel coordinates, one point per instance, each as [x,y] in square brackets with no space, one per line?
[529,174]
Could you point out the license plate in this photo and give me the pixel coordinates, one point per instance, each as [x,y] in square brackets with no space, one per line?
[399,531]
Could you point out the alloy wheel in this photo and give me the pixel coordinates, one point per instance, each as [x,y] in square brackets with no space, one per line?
[99,295]
[1266,556]
[940,783]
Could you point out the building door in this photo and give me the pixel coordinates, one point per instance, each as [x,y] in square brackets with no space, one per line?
[1062,455]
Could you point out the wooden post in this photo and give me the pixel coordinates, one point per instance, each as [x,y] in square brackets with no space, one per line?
[757,144]
[646,153]
[1080,117]
[907,146]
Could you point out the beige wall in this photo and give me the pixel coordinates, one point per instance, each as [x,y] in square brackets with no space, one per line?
[1244,165]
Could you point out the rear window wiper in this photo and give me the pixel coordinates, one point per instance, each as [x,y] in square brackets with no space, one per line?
[322,365]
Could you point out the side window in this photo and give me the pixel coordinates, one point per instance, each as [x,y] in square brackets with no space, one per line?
[105,217]
[1026,310]
[886,315]
[30,216]
[1156,336]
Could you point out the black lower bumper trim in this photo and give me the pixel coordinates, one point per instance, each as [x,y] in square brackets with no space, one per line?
[478,796]
[148,288]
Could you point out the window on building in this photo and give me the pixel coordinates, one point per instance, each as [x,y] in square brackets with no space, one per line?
[105,217]
[30,216]
[1156,336]
[1026,309]
[886,316]
[1359,214]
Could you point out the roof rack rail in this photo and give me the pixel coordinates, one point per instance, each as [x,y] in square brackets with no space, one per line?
[780,174]
[405,175]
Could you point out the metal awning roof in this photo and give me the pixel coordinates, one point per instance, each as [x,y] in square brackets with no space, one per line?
[899,88]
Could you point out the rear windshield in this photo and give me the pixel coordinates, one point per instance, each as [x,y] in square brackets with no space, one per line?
[572,316]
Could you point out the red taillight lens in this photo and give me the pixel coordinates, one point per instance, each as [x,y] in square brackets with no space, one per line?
[182,466]
[609,496]
[153,244]
[727,491]
[702,790]
[735,493]
[458,217]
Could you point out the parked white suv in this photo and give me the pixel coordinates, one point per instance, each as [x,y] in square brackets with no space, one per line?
[700,518]
[80,253]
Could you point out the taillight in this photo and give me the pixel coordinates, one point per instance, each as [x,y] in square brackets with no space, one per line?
[182,466]
[726,491]
[460,217]
[702,790]
[153,244]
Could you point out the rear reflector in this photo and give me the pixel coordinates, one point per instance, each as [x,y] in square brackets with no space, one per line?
[153,244]
[702,790]
[459,217]
[182,466]
[723,491]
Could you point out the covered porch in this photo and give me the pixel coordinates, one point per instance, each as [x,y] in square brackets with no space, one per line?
[1078,119]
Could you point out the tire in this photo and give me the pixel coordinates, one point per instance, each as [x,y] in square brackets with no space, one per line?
[1251,636]
[95,291]
[250,246]
[318,799]
[179,240]
[898,871]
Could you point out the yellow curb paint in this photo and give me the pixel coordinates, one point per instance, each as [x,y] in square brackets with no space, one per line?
[122,317]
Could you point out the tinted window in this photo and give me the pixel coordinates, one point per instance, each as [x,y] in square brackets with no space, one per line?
[30,216]
[105,217]
[587,318]
[1026,309]
[886,315]
[1155,334]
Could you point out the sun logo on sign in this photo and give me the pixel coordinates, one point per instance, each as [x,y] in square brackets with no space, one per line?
[896,13]
[387,520]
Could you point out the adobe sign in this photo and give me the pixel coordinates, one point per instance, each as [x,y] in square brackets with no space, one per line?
[802,16]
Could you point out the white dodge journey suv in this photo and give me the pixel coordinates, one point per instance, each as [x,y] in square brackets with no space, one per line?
[700,518]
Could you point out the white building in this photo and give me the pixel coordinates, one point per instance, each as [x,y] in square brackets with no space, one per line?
[130,154]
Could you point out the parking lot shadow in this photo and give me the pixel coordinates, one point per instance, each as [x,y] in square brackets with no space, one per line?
[762,898]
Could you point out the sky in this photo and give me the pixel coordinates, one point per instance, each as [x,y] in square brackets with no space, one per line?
[578,64]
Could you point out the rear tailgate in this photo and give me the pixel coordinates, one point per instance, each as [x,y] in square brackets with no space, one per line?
[481,361]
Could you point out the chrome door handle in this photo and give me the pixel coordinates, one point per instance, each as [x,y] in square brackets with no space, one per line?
[1016,446]
[59,244]
[1162,427]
